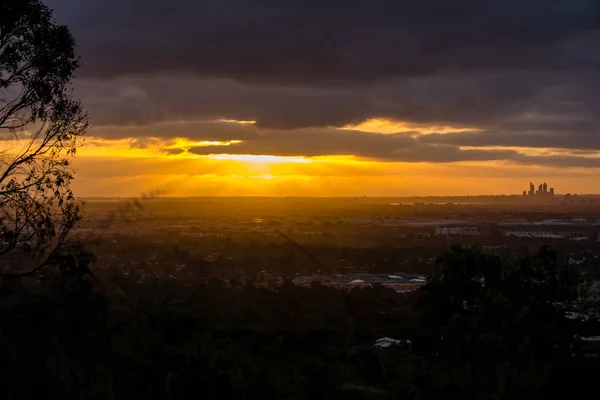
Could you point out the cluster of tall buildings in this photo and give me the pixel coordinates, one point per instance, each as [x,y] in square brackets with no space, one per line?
[542,190]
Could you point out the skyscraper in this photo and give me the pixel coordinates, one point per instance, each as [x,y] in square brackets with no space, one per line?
[542,190]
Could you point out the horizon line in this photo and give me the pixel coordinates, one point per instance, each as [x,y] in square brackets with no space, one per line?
[333,197]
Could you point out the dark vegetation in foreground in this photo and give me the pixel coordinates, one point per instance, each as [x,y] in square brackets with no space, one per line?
[481,328]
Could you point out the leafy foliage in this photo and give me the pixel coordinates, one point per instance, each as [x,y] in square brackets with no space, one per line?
[499,322]
[40,124]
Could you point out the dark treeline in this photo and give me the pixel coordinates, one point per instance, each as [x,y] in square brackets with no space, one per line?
[254,255]
[226,258]
[480,328]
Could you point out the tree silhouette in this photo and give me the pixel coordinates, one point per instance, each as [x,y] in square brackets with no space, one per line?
[499,322]
[40,126]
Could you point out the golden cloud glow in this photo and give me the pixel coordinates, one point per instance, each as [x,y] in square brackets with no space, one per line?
[184,143]
[235,121]
[381,125]
[151,147]
[207,143]
[124,148]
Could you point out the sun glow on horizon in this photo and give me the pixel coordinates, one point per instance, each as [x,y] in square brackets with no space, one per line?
[128,165]
[259,158]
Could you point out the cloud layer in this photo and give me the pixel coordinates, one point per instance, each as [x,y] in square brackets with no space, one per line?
[523,73]
[330,41]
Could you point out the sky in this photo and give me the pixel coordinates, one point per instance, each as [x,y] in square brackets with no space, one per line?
[337,97]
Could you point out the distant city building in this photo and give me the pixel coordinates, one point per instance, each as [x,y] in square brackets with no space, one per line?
[542,190]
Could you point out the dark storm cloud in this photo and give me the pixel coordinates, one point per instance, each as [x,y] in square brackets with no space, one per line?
[174,151]
[558,161]
[582,142]
[523,72]
[196,131]
[518,109]
[329,41]
[315,142]
[456,99]
[389,148]
[140,101]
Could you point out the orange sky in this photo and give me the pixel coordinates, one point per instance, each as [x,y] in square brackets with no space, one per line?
[116,168]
